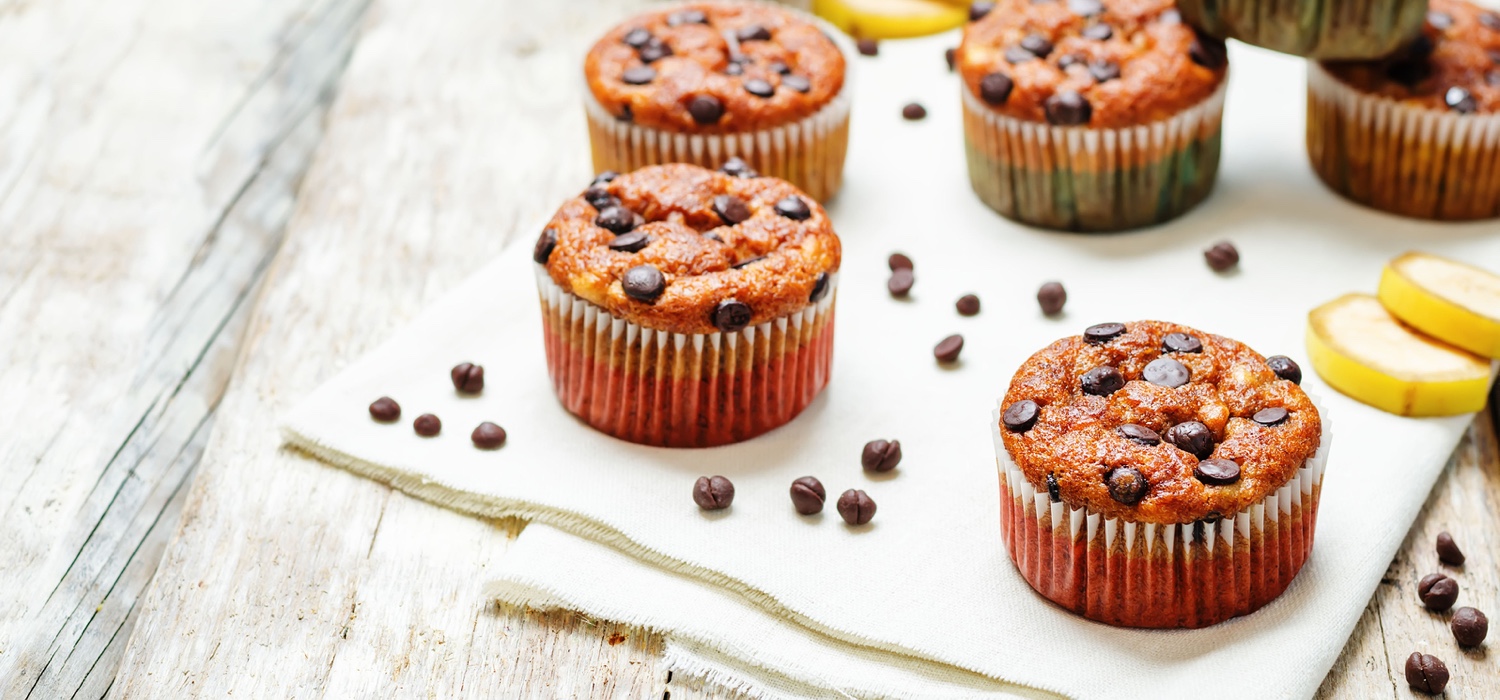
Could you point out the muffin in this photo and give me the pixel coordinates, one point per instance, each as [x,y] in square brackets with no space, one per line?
[1090,117]
[1417,134]
[1152,475]
[1324,29]
[703,82]
[685,307]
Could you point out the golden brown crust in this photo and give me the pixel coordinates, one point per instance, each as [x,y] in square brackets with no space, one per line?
[1464,53]
[700,55]
[1076,435]
[1151,47]
[782,258]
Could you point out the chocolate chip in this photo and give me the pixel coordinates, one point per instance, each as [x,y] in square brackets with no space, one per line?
[867,47]
[1052,490]
[1085,8]
[1103,332]
[1460,100]
[1193,438]
[913,111]
[616,219]
[734,68]
[978,10]
[820,289]
[1270,416]
[949,348]
[967,305]
[1181,342]
[1102,381]
[732,315]
[1493,78]
[951,56]
[731,209]
[713,492]
[1285,368]
[467,377]
[1104,71]
[1437,592]
[1017,55]
[1068,108]
[759,88]
[545,244]
[1208,52]
[1426,673]
[754,32]
[713,236]
[900,283]
[748,262]
[427,425]
[1097,32]
[488,436]
[880,455]
[793,208]
[654,50]
[633,242]
[856,507]
[385,409]
[1020,416]
[605,178]
[706,109]
[598,197]
[1222,256]
[639,75]
[799,83]
[1439,20]
[1126,485]
[995,88]
[1490,21]
[808,495]
[643,283]
[1448,551]
[636,38]
[1051,297]
[737,167]
[778,67]
[1071,59]
[1167,372]
[1469,626]
[1217,472]
[899,261]
[1140,434]
[1037,44]
[625,115]
[677,19]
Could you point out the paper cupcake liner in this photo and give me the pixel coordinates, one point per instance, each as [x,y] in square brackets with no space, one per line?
[1159,576]
[683,390]
[1409,160]
[1326,29]
[1082,179]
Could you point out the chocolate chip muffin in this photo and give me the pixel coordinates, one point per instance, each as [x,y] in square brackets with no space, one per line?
[703,82]
[1323,29]
[1416,133]
[1156,458]
[685,307]
[1091,116]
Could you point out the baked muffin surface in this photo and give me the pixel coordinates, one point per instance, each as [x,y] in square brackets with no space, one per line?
[1455,65]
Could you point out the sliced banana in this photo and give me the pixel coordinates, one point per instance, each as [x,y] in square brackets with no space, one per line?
[892,19]
[1360,349]
[1448,300]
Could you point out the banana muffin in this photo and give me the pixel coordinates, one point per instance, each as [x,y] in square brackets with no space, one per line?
[685,307]
[703,82]
[1153,475]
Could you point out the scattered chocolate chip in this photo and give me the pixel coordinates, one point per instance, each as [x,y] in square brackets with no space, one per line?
[951,56]
[385,409]
[880,455]
[1167,372]
[737,167]
[1439,20]
[643,283]
[1208,52]
[899,261]
[732,315]
[1193,438]
[778,67]
[868,47]
[545,244]
[748,262]
[799,83]
[1490,21]
[616,219]
[427,425]
[1053,492]
[995,88]
[856,507]
[978,10]
[1017,55]
[1020,416]
[706,109]
[1181,342]
[900,283]
[1037,44]
[1222,256]
[1140,434]
[654,50]
[913,111]
[467,377]
[605,178]
[1071,59]
[754,32]
[677,19]
[713,236]
[1085,8]
[1270,416]
[1051,297]
[1437,592]
[1068,108]
[949,348]
[1217,472]
[1097,32]
[759,88]
[967,305]
[1448,551]
[734,68]
[488,436]
[633,242]
[808,495]
[1426,673]
[820,289]
[1460,100]
[1102,381]
[1104,71]
[625,115]
[1285,368]
[1126,485]
[713,492]
[598,197]
[639,75]
[731,209]
[1103,332]
[636,38]
[1469,626]
[792,207]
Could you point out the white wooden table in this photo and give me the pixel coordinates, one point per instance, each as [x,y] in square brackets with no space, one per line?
[206,209]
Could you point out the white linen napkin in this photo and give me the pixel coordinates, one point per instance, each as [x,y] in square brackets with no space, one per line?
[924,600]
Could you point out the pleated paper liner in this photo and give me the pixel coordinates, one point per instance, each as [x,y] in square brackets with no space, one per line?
[1409,160]
[1159,576]
[683,390]
[1325,29]
[1082,179]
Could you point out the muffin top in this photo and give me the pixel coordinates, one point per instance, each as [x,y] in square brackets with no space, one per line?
[685,249]
[1158,423]
[714,68]
[1098,63]
[1454,65]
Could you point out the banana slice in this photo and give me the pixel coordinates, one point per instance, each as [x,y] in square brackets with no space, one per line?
[1364,352]
[1448,300]
[892,19]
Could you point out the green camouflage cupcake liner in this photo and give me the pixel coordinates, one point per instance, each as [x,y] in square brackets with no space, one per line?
[1323,29]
